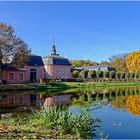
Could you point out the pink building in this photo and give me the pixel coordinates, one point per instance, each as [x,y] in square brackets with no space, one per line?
[56,66]
[53,67]
[32,72]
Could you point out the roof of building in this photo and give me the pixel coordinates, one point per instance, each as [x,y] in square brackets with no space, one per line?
[9,67]
[35,60]
[109,68]
[55,59]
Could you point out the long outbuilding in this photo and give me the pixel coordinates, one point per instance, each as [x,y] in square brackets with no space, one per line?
[95,68]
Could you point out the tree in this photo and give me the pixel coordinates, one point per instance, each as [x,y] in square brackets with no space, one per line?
[118,62]
[112,74]
[106,74]
[104,63]
[80,63]
[91,74]
[133,61]
[122,77]
[139,77]
[99,74]
[83,74]
[75,74]
[127,76]
[136,76]
[132,75]
[12,48]
[118,75]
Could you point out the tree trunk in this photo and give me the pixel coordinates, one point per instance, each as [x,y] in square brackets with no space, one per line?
[0,73]
[0,66]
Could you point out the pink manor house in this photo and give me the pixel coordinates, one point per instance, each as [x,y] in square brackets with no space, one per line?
[53,66]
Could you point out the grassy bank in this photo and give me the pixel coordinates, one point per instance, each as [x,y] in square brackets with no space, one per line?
[52,122]
[64,85]
[16,87]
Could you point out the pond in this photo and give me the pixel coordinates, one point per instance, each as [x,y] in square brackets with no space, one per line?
[119,112]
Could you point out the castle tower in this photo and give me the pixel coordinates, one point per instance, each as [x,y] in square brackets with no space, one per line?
[56,66]
[53,50]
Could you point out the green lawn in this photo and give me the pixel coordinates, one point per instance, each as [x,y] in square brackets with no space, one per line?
[64,85]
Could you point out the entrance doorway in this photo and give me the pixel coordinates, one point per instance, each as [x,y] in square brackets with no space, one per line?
[33,75]
[33,98]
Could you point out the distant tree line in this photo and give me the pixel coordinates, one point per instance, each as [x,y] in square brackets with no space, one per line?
[92,75]
[121,62]
[80,63]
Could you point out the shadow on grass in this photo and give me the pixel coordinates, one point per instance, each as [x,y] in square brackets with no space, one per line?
[55,85]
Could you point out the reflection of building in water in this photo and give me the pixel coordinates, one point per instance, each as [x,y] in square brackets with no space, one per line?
[22,101]
[14,102]
[56,100]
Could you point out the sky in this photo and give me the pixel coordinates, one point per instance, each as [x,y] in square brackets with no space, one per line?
[81,30]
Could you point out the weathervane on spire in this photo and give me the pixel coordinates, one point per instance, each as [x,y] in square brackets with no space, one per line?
[53,41]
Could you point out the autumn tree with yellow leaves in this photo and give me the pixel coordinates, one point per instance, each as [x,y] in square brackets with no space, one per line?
[133,61]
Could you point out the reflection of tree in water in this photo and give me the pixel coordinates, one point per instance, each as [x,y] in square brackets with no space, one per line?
[118,103]
[82,100]
[133,105]
[127,98]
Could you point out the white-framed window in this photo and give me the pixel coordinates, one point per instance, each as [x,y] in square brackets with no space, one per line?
[11,76]
[21,76]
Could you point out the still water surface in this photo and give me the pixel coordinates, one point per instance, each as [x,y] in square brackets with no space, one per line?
[120,111]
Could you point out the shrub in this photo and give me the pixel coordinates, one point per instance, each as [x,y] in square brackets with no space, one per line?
[132,75]
[66,122]
[118,75]
[127,76]
[75,74]
[112,74]
[122,75]
[83,74]
[106,74]
[99,74]
[136,76]
[91,74]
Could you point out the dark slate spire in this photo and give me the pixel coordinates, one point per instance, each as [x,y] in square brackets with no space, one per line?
[53,51]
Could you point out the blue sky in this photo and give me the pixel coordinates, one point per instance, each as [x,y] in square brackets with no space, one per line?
[82,30]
